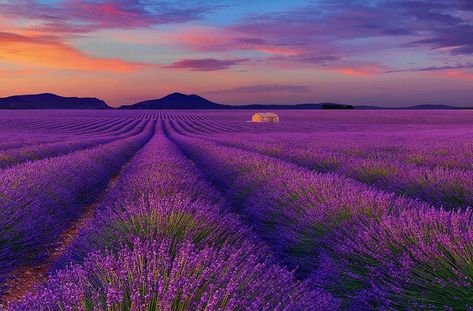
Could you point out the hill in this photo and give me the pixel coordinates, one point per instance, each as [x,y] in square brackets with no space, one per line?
[50,101]
[176,101]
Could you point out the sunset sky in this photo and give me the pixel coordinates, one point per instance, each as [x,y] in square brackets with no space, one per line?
[371,52]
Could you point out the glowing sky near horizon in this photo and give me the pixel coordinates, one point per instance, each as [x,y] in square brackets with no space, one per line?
[361,52]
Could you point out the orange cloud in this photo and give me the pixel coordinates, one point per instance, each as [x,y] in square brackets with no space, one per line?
[356,72]
[277,50]
[49,53]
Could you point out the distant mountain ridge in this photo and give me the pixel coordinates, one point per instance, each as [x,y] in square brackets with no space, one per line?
[177,101]
[50,101]
[433,107]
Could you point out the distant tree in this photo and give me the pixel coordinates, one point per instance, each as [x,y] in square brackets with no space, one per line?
[335,106]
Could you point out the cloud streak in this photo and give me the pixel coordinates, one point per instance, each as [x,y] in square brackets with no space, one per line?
[434,68]
[205,64]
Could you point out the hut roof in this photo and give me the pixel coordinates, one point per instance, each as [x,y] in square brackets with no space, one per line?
[266,114]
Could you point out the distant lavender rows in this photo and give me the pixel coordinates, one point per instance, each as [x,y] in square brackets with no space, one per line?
[32,132]
[13,156]
[163,231]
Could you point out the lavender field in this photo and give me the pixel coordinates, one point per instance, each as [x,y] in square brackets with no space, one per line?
[202,210]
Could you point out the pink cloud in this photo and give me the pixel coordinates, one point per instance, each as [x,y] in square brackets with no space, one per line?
[202,38]
[459,74]
[224,39]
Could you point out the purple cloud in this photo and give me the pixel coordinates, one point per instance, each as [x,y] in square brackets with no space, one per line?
[70,16]
[205,64]
[329,27]
[9,37]
[434,68]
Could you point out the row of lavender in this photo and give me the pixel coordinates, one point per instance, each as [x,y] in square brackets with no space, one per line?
[164,239]
[431,149]
[28,134]
[13,156]
[40,199]
[448,187]
[370,248]
[439,172]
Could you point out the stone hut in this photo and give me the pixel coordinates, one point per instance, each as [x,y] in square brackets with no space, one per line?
[265,117]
